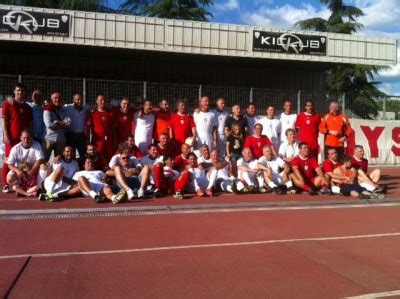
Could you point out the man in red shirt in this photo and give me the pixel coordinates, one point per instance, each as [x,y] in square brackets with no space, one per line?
[307,125]
[102,124]
[123,118]
[307,175]
[182,125]
[257,141]
[165,147]
[17,116]
[163,119]
[182,160]
[329,164]
[370,180]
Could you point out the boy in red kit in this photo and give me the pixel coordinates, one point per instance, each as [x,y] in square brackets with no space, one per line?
[17,116]
[307,125]
[123,118]
[257,141]
[307,175]
[102,124]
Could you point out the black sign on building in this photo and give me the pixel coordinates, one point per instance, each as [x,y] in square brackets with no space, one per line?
[38,23]
[289,43]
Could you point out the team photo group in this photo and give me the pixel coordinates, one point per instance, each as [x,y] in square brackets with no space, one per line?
[60,148]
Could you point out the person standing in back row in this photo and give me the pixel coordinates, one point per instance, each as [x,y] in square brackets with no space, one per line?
[336,128]
[206,124]
[288,119]
[102,124]
[144,122]
[272,127]
[17,116]
[221,114]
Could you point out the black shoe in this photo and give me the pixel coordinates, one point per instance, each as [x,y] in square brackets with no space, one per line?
[157,193]
[379,189]
[98,199]
[325,191]
[312,192]
[234,187]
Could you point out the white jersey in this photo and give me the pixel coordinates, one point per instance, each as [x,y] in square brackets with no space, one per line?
[287,150]
[133,161]
[69,167]
[205,123]
[20,154]
[251,121]
[146,160]
[221,118]
[170,173]
[143,130]
[252,164]
[287,122]
[274,164]
[95,178]
[201,160]
[272,128]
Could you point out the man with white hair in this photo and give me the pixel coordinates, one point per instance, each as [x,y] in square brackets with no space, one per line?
[206,124]
[247,171]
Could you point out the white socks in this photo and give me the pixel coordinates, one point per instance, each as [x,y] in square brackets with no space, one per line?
[129,193]
[92,194]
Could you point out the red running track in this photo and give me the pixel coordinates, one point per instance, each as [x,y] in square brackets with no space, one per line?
[302,253]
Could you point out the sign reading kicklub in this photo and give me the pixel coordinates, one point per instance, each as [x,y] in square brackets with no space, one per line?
[38,23]
[289,43]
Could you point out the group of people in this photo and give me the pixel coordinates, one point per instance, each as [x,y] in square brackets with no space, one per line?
[127,153]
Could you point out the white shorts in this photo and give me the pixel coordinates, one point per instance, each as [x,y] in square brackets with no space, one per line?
[96,187]
[58,188]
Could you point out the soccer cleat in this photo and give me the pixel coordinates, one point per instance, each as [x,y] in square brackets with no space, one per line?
[291,190]
[379,189]
[98,199]
[50,197]
[6,189]
[234,187]
[178,195]
[157,193]
[312,192]
[140,193]
[262,190]
[378,196]
[363,196]
[121,195]
[325,191]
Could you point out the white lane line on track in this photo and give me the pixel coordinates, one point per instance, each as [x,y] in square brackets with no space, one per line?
[377,295]
[196,246]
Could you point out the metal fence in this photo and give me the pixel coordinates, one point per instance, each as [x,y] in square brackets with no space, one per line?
[387,108]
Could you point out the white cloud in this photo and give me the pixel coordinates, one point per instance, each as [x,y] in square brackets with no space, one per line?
[380,14]
[227,5]
[282,16]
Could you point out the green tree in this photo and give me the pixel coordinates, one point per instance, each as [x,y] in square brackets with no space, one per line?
[355,81]
[170,9]
[85,5]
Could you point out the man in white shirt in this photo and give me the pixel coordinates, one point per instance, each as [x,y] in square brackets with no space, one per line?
[275,172]
[152,166]
[272,127]
[206,124]
[247,171]
[287,118]
[290,147]
[26,151]
[252,118]
[143,122]
[198,181]
[221,114]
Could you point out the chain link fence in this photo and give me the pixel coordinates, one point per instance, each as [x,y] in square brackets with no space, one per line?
[385,108]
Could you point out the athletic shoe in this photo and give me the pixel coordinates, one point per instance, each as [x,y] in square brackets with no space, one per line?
[42,196]
[312,192]
[378,196]
[98,199]
[140,193]
[178,195]
[325,191]
[248,189]
[50,197]
[6,189]
[119,197]
[363,196]
[129,194]
[262,190]
[379,189]
[278,191]
[157,193]
[291,190]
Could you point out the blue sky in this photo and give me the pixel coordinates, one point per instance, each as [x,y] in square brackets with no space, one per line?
[382,18]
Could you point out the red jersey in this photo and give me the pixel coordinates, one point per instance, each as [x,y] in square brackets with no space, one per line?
[328,165]
[256,144]
[308,127]
[182,126]
[168,150]
[123,122]
[19,116]
[162,124]
[180,163]
[102,123]
[359,164]
[307,167]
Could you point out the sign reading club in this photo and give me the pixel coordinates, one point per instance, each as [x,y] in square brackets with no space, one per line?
[289,43]
[23,22]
